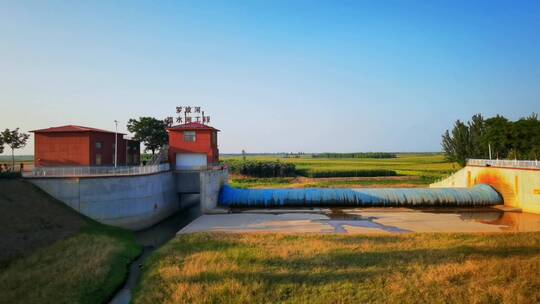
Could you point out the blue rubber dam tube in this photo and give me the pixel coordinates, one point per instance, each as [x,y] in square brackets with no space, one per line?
[480,195]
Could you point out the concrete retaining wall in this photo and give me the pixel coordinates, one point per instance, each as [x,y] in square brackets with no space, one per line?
[211,182]
[131,202]
[187,181]
[520,188]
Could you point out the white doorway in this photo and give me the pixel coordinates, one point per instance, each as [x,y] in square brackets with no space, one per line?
[190,160]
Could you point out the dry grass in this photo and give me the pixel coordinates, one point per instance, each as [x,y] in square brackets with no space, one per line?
[30,219]
[67,272]
[276,268]
[85,268]
[51,254]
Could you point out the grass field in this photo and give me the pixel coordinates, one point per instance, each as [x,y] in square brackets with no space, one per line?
[85,268]
[51,254]
[421,169]
[275,268]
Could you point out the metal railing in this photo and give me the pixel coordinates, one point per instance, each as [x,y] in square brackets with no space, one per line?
[526,164]
[95,171]
[159,157]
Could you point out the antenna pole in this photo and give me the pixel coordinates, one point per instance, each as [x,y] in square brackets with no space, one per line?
[116,144]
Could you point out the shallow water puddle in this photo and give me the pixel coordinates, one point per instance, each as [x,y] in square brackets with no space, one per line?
[338,219]
[366,220]
[510,221]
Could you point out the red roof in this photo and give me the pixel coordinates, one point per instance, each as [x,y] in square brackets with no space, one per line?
[71,128]
[192,126]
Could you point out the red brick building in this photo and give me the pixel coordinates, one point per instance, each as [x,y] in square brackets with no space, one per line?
[82,146]
[193,144]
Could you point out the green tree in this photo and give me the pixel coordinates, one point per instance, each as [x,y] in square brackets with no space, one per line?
[477,148]
[150,131]
[457,145]
[507,139]
[525,136]
[1,143]
[497,135]
[15,140]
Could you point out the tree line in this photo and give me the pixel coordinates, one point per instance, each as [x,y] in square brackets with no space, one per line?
[355,155]
[505,139]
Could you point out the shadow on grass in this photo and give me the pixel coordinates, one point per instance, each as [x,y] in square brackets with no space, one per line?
[244,268]
[350,266]
[340,264]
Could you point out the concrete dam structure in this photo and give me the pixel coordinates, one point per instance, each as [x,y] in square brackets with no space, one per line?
[143,196]
[481,195]
[518,182]
[132,198]
[515,184]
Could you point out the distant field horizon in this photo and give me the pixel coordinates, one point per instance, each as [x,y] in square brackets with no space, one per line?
[6,156]
[311,153]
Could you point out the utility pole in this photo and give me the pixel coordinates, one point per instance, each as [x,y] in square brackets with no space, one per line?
[116,144]
[489,146]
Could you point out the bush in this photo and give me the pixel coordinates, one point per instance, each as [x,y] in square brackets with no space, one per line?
[257,168]
[346,173]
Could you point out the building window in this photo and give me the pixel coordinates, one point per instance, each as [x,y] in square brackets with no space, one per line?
[99,145]
[189,136]
[98,159]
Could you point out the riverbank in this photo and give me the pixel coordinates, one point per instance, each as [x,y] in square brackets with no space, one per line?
[51,254]
[309,268]
[151,239]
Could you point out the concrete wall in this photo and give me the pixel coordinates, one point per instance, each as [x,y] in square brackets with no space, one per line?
[520,188]
[211,183]
[187,181]
[131,202]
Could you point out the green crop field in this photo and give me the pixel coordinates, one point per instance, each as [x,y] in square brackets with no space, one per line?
[418,169]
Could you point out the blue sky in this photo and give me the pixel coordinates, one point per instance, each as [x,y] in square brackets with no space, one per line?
[275,76]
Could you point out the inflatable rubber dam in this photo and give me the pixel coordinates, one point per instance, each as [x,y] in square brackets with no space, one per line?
[480,195]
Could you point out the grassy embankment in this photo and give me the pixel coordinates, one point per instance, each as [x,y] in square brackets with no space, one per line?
[51,254]
[414,170]
[415,268]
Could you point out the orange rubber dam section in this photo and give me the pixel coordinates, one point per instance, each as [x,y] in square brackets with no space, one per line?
[519,187]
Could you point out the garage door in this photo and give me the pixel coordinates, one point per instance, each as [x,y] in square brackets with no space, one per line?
[187,160]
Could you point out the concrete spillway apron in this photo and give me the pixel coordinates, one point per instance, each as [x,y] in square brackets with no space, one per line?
[481,195]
